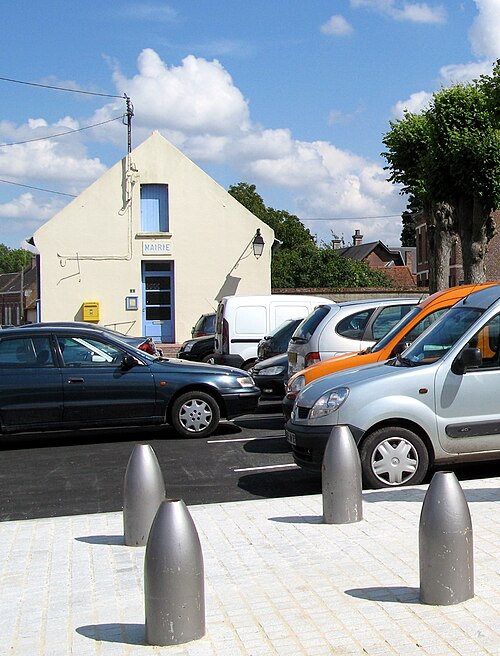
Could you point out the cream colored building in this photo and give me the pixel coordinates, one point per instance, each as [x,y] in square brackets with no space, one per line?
[149,247]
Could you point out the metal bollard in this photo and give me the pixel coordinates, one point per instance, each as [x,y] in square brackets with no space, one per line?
[341,479]
[445,543]
[174,586]
[143,491]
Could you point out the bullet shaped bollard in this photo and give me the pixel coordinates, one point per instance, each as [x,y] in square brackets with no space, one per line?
[143,491]
[445,543]
[341,479]
[174,585]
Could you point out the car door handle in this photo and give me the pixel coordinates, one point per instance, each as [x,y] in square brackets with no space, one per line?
[75,380]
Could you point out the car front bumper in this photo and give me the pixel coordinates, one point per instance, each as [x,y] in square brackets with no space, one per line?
[309,443]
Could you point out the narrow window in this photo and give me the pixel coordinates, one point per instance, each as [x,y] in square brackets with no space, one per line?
[154,208]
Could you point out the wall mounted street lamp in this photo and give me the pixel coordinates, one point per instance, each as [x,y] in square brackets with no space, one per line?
[258,244]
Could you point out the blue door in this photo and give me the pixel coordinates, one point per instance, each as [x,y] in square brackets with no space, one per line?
[158,301]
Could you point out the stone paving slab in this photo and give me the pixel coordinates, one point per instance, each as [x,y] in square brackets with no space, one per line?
[277,581]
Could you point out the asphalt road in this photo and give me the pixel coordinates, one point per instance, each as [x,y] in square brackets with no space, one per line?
[72,473]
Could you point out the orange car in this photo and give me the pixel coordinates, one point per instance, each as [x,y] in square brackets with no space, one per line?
[396,340]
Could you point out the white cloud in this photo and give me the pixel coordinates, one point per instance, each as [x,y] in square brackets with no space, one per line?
[25,213]
[462,73]
[416,12]
[415,104]
[196,96]
[157,12]
[336,26]
[485,31]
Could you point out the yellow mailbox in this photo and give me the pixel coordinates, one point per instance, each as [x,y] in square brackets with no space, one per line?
[91,311]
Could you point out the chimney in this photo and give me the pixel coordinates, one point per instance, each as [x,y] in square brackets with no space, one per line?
[357,238]
[337,243]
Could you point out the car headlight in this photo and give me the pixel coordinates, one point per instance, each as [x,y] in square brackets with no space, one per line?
[295,384]
[271,371]
[329,402]
[246,381]
[187,346]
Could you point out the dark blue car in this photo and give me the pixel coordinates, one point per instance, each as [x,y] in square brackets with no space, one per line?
[55,378]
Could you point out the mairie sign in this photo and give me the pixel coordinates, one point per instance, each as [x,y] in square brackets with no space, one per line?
[156,248]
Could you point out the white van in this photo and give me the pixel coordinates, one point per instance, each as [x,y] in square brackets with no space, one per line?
[242,321]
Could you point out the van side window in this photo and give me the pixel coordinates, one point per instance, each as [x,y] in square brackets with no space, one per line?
[487,341]
[354,325]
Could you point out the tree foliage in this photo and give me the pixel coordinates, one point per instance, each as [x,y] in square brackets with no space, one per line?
[299,261]
[448,159]
[13,260]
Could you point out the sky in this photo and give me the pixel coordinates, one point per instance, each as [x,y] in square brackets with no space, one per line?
[293,96]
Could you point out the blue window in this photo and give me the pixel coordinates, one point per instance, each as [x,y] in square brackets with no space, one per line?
[154,208]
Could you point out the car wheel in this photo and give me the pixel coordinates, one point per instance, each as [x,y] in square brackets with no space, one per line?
[195,414]
[209,358]
[248,364]
[393,456]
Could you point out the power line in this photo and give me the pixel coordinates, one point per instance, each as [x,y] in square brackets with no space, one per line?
[50,191]
[61,134]
[353,218]
[49,86]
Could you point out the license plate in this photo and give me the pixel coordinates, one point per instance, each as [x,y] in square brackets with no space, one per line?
[290,437]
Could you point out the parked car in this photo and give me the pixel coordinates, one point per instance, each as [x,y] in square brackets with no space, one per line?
[204,326]
[63,377]
[396,340]
[435,403]
[145,344]
[199,349]
[269,376]
[277,340]
[344,327]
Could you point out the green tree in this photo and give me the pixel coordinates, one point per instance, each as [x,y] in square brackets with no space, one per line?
[13,260]
[299,262]
[448,159]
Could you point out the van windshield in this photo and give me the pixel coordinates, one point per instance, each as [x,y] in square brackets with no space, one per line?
[439,338]
[306,328]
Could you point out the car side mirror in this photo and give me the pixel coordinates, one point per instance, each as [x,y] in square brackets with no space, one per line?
[469,357]
[128,362]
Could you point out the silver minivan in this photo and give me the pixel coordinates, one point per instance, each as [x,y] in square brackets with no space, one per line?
[350,326]
[437,402]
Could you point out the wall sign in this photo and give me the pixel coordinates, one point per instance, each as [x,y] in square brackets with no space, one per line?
[156,248]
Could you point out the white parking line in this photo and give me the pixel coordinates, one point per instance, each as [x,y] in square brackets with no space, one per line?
[246,439]
[290,466]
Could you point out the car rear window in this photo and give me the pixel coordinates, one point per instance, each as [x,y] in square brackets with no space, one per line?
[306,329]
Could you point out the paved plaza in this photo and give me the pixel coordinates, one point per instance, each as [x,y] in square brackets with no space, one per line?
[277,581]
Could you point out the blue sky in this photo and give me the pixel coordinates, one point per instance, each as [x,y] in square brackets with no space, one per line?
[293,96]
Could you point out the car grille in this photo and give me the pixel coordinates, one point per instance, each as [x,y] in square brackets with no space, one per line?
[302,413]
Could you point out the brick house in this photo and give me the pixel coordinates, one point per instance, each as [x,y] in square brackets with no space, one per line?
[397,263]
[456,271]
[19,296]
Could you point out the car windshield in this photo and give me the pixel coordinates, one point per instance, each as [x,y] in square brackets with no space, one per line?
[396,329]
[439,338]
